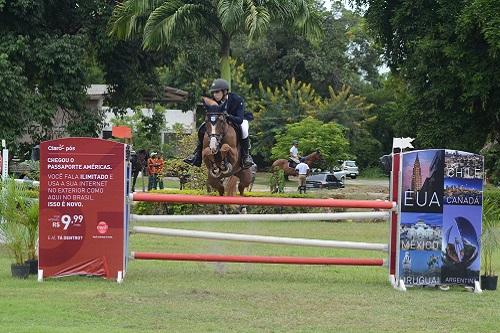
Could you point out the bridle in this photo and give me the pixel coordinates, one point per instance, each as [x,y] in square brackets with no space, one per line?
[215,138]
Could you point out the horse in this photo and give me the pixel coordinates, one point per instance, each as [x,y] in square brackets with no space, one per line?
[283,164]
[139,162]
[221,153]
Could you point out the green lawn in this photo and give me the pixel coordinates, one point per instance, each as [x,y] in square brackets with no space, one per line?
[202,297]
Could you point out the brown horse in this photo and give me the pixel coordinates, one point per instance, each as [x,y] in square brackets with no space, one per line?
[284,165]
[221,153]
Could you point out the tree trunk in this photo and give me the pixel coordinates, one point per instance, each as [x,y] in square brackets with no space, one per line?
[225,68]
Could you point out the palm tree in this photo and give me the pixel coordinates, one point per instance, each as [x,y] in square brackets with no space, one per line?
[162,21]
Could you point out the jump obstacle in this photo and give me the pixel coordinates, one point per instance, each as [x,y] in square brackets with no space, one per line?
[301,202]
[120,205]
[118,159]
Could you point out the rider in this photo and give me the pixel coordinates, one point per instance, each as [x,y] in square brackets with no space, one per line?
[294,153]
[234,106]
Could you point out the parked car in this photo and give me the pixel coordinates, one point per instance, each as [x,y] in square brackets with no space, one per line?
[350,168]
[326,180]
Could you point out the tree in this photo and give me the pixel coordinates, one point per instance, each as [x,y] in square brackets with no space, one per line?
[312,134]
[345,54]
[275,108]
[353,112]
[446,53]
[146,128]
[160,23]
[44,70]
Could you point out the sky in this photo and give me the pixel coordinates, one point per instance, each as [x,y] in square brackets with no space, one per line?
[328,3]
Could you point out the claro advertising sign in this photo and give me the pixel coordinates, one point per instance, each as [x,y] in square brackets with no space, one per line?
[82,208]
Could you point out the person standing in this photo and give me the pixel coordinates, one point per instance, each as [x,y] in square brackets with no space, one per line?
[303,170]
[160,169]
[152,171]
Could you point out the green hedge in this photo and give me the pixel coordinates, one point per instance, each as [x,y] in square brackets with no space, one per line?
[154,208]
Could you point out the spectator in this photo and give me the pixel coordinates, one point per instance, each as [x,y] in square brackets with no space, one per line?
[303,170]
[160,169]
[152,171]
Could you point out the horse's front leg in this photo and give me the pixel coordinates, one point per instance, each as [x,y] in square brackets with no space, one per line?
[209,160]
[228,158]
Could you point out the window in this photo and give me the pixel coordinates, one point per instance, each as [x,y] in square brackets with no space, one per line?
[107,134]
[315,177]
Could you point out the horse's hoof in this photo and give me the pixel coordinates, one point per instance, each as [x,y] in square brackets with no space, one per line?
[228,169]
[215,173]
[243,210]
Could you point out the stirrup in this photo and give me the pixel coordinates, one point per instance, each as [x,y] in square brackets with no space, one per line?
[193,160]
[247,162]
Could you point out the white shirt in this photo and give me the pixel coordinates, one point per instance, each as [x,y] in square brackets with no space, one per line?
[302,168]
[294,151]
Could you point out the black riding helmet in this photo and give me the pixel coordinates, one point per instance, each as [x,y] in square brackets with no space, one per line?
[219,84]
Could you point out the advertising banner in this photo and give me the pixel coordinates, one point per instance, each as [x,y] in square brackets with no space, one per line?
[440,217]
[82,208]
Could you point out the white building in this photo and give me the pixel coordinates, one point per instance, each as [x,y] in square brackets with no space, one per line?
[187,119]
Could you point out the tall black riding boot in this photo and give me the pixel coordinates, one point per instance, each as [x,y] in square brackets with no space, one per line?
[246,159]
[195,159]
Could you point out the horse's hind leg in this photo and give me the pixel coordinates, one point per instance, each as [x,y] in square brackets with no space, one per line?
[219,186]
[241,188]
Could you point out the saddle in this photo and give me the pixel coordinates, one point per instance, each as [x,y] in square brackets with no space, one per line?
[291,163]
[237,129]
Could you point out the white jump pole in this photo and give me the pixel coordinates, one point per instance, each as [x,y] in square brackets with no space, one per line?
[262,217]
[261,239]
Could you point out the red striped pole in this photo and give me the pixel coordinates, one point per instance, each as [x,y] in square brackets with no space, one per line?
[258,259]
[393,233]
[264,201]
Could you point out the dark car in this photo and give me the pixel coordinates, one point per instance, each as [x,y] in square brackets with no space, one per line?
[324,180]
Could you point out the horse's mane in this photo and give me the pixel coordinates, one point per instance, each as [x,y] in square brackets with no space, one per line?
[316,152]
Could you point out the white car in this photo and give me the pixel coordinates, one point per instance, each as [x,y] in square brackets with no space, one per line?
[350,168]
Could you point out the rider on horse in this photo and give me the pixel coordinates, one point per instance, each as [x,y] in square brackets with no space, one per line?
[233,105]
[294,154]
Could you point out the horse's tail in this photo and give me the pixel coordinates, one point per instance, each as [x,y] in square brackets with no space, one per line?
[231,186]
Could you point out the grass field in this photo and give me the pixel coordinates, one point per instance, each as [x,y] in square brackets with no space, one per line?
[202,297]
[160,296]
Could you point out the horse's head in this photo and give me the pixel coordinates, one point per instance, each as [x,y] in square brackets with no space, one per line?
[313,157]
[216,124]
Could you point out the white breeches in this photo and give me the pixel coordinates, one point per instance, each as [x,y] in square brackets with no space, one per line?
[244,129]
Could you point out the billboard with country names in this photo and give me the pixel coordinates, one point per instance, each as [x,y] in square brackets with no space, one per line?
[440,217]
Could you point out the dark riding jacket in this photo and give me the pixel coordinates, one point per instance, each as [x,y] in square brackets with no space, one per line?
[235,108]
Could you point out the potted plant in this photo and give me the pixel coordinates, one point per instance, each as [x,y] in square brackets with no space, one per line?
[13,207]
[31,223]
[490,239]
